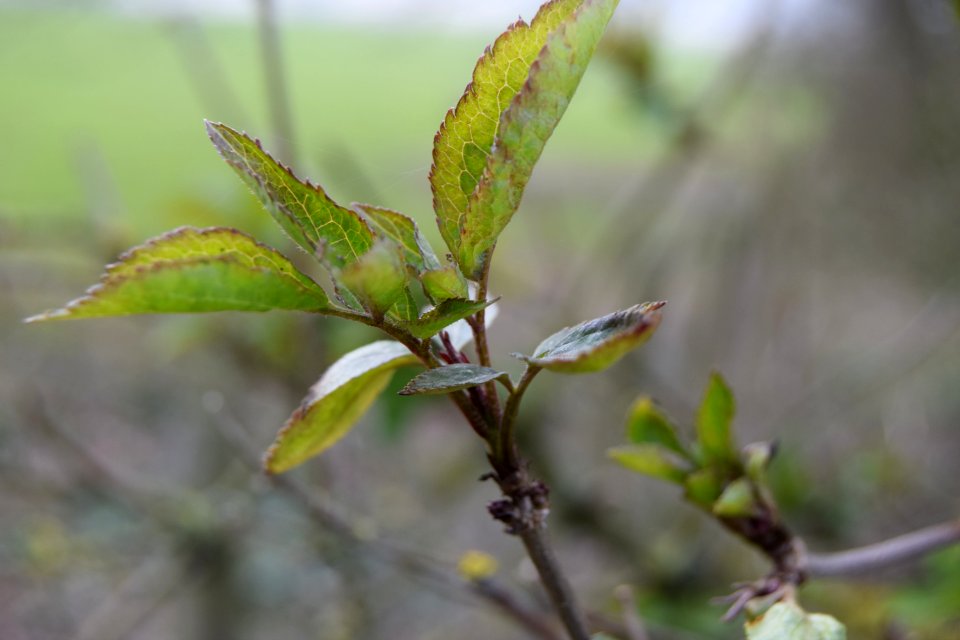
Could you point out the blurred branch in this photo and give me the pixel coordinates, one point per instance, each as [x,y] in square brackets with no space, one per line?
[632,623]
[206,75]
[882,555]
[275,78]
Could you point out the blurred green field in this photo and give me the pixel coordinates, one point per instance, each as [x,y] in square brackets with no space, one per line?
[97,103]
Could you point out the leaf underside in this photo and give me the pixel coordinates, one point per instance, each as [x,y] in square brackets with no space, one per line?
[318,224]
[340,398]
[192,270]
[597,344]
[450,378]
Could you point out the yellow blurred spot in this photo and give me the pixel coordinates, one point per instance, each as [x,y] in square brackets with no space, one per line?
[477,565]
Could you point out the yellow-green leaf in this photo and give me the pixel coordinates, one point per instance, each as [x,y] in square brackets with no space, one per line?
[335,403]
[378,278]
[597,344]
[196,270]
[714,422]
[703,487]
[524,129]
[444,283]
[737,500]
[787,621]
[466,136]
[387,223]
[646,424]
[651,460]
[318,224]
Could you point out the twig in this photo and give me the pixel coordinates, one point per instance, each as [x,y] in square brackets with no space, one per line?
[884,554]
[506,446]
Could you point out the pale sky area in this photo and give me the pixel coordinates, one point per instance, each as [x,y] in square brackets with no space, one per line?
[693,23]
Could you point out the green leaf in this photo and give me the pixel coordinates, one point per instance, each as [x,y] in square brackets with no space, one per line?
[650,459]
[597,344]
[460,332]
[340,398]
[444,283]
[787,621]
[318,224]
[444,314]
[393,225]
[737,500]
[713,422]
[196,270]
[453,377]
[646,424]
[524,129]
[703,487]
[378,278]
[463,144]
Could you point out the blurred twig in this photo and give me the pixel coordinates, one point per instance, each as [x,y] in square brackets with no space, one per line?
[882,555]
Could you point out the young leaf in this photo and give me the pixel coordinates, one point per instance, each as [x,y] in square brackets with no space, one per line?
[713,422]
[460,332]
[646,424]
[194,270]
[444,314]
[317,223]
[466,136]
[378,278]
[450,378]
[524,129]
[703,487]
[787,621]
[597,344]
[737,500]
[341,396]
[387,223]
[444,283]
[650,459]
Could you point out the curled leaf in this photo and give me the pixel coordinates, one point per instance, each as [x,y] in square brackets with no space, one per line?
[737,500]
[340,398]
[197,270]
[378,278]
[597,344]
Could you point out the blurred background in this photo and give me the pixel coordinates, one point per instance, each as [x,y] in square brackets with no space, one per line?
[785,173]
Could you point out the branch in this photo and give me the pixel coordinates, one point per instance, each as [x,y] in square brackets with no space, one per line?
[881,555]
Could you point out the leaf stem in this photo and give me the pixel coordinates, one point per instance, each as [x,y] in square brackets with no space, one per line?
[884,554]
